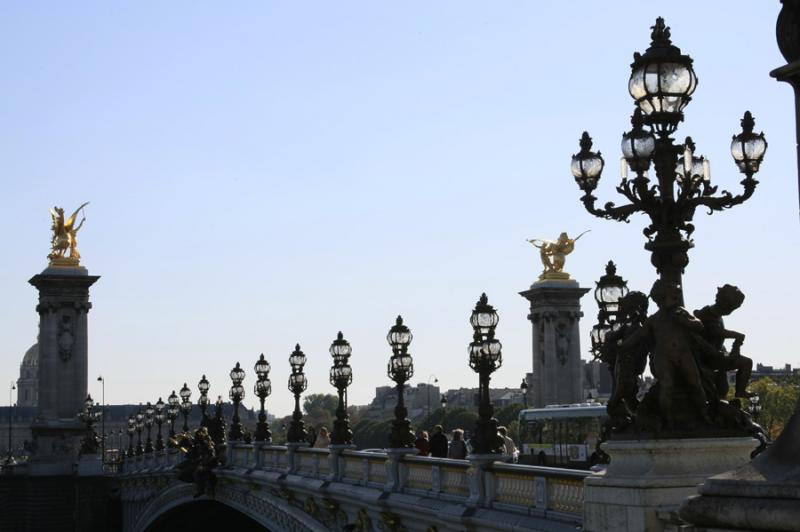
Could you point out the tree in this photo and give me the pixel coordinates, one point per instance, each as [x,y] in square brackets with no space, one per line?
[320,409]
[449,419]
[778,401]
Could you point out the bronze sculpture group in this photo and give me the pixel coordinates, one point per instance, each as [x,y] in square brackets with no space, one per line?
[689,362]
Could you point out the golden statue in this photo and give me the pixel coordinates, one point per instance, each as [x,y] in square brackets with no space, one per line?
[65,238]
[554,254]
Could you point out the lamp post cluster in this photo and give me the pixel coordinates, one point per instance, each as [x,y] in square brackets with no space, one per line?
[662,82]
[484,357]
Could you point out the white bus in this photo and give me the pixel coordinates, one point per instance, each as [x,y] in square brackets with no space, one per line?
[561,435]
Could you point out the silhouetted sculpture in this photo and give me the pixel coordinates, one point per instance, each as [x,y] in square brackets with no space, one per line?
[201,459]
[626,367]
[729,298]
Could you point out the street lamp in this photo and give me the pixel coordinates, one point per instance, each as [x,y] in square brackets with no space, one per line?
[203,402]
[149,418]
[443,401]
[428,388]
[89,417]
[216,426]
[186,406]
[609,290]
[400,369]
[341,375]
[9,461]
[131,431]
[159,417]
[102,382]
[524,389]
[297,385]
[661,83]
[236,395]
[173,409]
[262,389]
[139,428]
[485,356]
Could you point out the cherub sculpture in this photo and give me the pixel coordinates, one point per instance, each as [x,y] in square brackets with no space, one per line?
[729,298]
[673,334]
[200,462]
[626,366]
[65,237]
[554,253]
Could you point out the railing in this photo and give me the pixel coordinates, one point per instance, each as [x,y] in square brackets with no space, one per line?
[547,492]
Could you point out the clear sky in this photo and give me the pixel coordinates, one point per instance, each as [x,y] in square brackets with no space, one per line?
[265,173]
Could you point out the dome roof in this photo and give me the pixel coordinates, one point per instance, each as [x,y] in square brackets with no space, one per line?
[31,357]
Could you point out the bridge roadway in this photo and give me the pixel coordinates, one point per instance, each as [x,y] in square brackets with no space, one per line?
[305,489]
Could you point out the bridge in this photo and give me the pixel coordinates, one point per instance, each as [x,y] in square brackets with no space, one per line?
[308,489]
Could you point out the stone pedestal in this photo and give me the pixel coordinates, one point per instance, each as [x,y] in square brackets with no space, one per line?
[63,367]
[761,495]
[555,313]
[335,455]
[647,480]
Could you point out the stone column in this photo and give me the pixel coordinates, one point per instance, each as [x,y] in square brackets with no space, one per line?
[63,365]
[555,314]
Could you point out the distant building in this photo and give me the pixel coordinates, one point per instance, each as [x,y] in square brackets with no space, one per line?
[785,372]
[596,380]
[28,382]
[419,399]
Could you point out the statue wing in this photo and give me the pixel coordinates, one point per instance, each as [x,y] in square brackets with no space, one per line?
[71,221]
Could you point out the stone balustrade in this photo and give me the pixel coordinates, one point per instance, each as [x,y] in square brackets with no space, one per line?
[445,492]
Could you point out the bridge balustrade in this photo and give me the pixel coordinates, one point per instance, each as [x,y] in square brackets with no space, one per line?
[504,494]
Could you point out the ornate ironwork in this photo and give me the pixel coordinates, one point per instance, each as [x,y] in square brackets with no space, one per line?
[297,385]
[400,369]
[485,356]
[341,375]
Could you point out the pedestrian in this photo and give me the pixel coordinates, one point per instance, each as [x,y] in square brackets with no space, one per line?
[458,449]
[323,440]
[422,444]
[439,443]
[510,448]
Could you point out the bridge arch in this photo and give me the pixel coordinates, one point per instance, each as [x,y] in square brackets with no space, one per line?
[263,510]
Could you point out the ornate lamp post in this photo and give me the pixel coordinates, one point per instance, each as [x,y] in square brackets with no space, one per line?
[443,401]
[186,406]
[661,83]
[89,417]
[485,356]
[341,375]
[159,418]
[131,431]
[523,387]
[216,426]
[297,385]
[610,289]
[149,418]
[203,402]
[262,389]
[173,409]
[400,369]
[236,395]
[139,428]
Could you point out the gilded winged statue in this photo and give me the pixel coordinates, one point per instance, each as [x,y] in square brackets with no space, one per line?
[65,237]
[554,254]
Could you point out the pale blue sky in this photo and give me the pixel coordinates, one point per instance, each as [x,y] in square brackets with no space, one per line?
[266,173]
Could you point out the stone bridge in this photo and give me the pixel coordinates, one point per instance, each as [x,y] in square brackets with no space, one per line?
[299,488]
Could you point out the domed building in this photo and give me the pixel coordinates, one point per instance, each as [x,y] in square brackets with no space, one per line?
[28,382]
